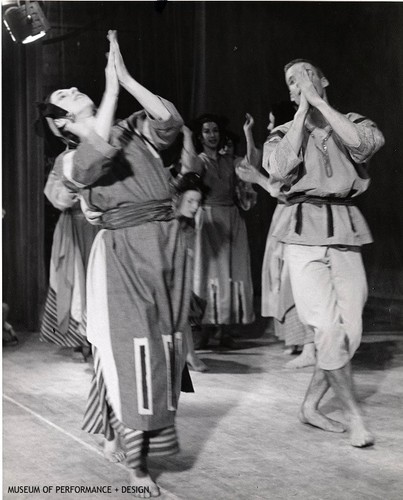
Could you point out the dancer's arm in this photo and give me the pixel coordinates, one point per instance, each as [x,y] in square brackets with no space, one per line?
[189,160]
[149,101]
[253,154]
[106,111]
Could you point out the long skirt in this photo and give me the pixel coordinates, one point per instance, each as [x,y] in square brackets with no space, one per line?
[64,311]
[100,418]
[222,274]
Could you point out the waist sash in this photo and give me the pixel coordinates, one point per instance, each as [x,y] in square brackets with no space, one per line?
[136,214]
[301,198]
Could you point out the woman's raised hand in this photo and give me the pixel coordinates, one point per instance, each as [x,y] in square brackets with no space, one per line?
[121,69]
[249,122]
[111,77]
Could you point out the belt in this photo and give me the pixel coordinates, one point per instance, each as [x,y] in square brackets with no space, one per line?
[300,198]
[137,214]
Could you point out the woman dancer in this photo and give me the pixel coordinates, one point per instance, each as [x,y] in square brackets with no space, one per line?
[139,279]
[222,262]
[63,321]
[189,192]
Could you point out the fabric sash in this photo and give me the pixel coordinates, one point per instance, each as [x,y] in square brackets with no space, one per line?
[301,198]
[136,214]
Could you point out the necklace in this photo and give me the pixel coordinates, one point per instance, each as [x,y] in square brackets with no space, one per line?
[324,151]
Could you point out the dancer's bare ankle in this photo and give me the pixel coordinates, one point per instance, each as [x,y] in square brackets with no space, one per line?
[141,484]
[312,416]
[113,450]
[360,435]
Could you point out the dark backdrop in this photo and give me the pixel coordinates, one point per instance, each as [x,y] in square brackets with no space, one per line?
[224,57]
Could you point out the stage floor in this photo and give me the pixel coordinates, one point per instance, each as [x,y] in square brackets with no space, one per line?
[239,433]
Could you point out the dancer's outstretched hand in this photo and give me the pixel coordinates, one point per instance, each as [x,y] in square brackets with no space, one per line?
[111,77]
[249,122]
[121,69]
[247,172]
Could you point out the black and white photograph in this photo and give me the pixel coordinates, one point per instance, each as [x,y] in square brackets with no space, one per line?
[202,250]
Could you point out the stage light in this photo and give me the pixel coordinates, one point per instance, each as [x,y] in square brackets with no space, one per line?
[26,23]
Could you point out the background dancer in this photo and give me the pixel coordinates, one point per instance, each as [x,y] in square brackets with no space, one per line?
[222,261]
[63,321]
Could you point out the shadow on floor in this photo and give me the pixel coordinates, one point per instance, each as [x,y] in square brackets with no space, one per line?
[378,355]
[226,366]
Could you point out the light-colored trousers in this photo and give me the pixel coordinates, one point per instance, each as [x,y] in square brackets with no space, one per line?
[330,290]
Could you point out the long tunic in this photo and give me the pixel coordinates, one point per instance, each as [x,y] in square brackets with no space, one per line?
[139,276]
[222,262]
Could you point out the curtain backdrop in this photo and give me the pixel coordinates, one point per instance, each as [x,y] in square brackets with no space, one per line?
[23,180]
[222,57]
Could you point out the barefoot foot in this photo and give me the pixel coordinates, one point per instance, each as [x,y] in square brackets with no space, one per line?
[142,486]
[360,436]
[317,419]
[306,358]
[292,350]
[302,361]
[113,451]
[196,364]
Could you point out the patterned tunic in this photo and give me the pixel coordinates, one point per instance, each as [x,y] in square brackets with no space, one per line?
[316,189]
[326,170]
[139,274]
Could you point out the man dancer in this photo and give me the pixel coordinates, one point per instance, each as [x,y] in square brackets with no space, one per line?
[317,167]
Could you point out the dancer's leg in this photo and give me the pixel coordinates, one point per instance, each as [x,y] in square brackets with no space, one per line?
[309,412]
[341,381]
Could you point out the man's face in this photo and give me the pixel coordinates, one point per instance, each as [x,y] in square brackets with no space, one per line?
[292,77]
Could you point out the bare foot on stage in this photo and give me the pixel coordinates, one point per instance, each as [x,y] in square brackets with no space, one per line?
[142,486]
[113,451]
[291,350]
[360,436]
[317,419]
[196,364]
[306,358]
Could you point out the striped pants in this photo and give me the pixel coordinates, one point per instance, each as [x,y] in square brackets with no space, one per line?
[99,418]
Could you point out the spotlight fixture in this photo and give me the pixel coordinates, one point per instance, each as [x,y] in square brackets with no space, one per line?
[26,23]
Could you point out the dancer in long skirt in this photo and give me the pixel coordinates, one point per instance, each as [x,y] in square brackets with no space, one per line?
[140,271]
[222,259]
[63,320]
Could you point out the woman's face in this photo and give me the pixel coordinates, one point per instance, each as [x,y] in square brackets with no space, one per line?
[73,101]
[210,135]
[189,203]
[229,148]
